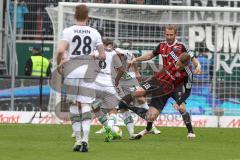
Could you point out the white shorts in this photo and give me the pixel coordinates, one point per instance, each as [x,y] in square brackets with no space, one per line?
[79,90]
[108,95]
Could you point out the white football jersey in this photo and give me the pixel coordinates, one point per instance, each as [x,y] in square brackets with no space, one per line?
[128,56]
[108,73]
[82,40]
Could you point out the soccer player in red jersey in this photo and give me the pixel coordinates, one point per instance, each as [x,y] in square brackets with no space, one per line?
[161,87]
[170,50]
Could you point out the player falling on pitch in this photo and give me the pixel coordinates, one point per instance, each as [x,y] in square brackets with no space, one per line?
[169,50]
[160,87]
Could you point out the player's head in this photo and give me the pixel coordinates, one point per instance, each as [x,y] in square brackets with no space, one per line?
[81,12]
[108,44]
[170,33]
[36,50]
[183,61]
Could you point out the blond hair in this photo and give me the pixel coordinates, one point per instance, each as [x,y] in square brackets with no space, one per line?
[171,27]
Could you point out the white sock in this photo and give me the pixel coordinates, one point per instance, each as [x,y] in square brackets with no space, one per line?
[112,120]
[128,121]
[77,131]
[130,127]
[86,121]
[153,126]
[144,105]
[76,124]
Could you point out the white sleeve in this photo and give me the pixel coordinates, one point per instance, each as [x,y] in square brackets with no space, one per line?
[65,35]
[98,38]
[116,61]
[129,55]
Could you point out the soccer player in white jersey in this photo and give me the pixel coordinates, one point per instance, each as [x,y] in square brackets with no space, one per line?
[80,40]
[129,82]
[106,89]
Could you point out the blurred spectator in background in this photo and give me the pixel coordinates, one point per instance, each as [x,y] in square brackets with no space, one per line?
[37,64]
[21,10]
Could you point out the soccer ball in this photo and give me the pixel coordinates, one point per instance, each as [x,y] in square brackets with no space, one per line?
[117,132]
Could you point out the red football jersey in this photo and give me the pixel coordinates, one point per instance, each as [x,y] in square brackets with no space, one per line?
[171,75]
[170,54]
[164,49]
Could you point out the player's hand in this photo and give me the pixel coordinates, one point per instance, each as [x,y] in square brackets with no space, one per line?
[197,70]
[134,60]
[102,57]
[60,66]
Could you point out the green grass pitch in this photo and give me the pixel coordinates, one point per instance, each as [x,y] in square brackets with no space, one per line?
[54,142]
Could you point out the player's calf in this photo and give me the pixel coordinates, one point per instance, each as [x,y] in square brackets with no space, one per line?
[152,114]
[139,111]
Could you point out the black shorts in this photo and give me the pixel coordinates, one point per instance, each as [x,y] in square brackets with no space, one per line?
[159,97]
[158,92]
[180,91]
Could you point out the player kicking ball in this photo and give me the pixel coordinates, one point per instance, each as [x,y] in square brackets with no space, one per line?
[160,87]
[129,82]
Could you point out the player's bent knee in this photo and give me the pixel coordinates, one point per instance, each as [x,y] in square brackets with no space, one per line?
[139,92]
[151,118]
[182,108]
[141,100]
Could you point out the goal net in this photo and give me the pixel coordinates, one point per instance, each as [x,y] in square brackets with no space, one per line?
[213,34]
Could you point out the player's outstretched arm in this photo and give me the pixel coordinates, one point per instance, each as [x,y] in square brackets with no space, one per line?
[144,57]
[197,65]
